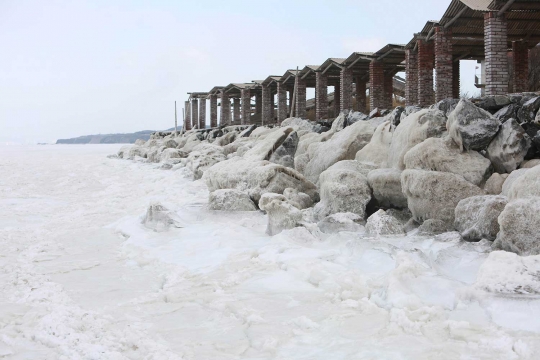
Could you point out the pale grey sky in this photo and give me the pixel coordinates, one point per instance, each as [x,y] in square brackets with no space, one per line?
[71,68]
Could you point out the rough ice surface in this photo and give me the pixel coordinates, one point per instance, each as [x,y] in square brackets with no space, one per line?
[82,278]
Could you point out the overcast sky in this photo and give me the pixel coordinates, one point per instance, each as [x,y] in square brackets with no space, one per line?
[71,68]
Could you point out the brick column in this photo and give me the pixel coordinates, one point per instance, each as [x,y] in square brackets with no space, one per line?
[213,111]
[282,102]
[360,94]
[443,63]
[426,59]
[266,116]
[411,71]
[345,82]
[246,106]
[258,103]
[321,96]
[456,88]
[376,84]
[495,44]
[337,100]
[521,66]
[187,120]
[225,115]
[236,111]
[202,113]
[300,106]
[388,90]
[272,107]
[195,113]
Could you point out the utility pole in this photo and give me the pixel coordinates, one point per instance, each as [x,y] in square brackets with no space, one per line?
[294,94]
[175,121]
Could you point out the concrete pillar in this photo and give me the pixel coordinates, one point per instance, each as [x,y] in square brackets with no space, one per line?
[376,83]
[300,106]
[321,96]
[443,63]
[411,71]
[225,109]
[202,113]
[282,102]
[236,111]
[495,46]
[195,113]
[360,94]
[346,79]
[520,52]
[456,85]
[213,111]
[187,119]
[388,90]
[246,106]
[426,59]
[267,105]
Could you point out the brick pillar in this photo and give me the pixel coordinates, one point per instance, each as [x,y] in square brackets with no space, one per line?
[213,111]
[300,106]
[456,88]
[282,102]
[266,116]
[426,59]
[337,99]
[376,84]
[345,82]
[202,113]
[443,63]
[246,106]
[388,90]
[195,113]
[360,94]
[236,111]
[520,52]
[495,44]
[258,103]
[411,71]
[272,107]
[187,120]
[225,116]
[321,96]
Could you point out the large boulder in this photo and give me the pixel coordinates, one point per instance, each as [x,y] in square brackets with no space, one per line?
[342,146]
[509,147]
[137,151]
[435,195]
[157,218]
[493,102]
[226,139]
[376,151]
[230,200]
[170,144]
[297,198]
[256,178]
[476,217]
[281,214]
[191,142]
[284,154]
[341,222]
[471,127]
[506,113]
[169,154]
[386,186]
[444,155]
[432,227]
[514,175]
[495,183]
[520,227]
[530,163]
[528,111]
[382,224]
[264,148]
[412,130]
[202,157]
[446,105]
[527,185]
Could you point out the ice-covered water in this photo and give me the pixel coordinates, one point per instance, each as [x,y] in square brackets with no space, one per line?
[81,278]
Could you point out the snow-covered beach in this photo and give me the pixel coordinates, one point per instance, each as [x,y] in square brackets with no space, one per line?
[81,278]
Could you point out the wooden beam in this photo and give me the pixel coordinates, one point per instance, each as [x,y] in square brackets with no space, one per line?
[456,17]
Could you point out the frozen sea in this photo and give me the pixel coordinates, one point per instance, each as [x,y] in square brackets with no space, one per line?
[81,278]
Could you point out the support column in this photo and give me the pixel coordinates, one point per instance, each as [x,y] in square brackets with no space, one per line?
[321,96]
[202,113]
[426,59]
[443,63]
[411,71]
[258,103]
[360,94]
[337,99]
[195,113]
[376,84]
[236,111]
[456,85]
[388,90]
[495,44]
[300,106]
[520,51]
[246,106]
[272,107]
[213,111]
[225,109]
[346,80]
[187,120]
[282,102]
[266,105]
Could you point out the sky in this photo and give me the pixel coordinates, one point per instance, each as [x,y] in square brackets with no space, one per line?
[71,68]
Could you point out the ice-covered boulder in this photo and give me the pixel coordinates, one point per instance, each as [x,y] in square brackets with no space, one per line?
[495,183]
[158,218]
[140,142]
[476,217]
[530,163]
[386,186]
[256,178]
[432,227]
[172,153]
[203,157]
[341,222]
[382,224]
[395,116]
[339,123]
[471,127]
[353,165]
[446,105]
[124,151]
[226,139]
[247,132]
[135,151]
[435,195]
[230,200]
[281,214]
[528,111]
[297,198]
[170,144]
[409,110]
[514,175]
[284,154]
[191,142]
[442,154]
[263,149]
[412,130]
[493,102]
[525,186]
[520,227]
[342,146]
[298,124]
[509,147]
[506,113]
[376,151]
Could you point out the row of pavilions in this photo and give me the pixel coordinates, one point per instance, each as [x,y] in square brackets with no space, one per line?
[496,33]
